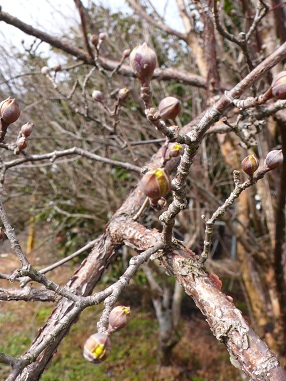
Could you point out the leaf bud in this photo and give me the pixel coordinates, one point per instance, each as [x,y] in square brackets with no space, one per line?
[250,164]
[45,70]
[97,96]
[155,184]
[143,61]
[126,53]
[169,108]
[9,110]
[118,318]
[27,129]
[103,36]
[278,85]
[123,94]
[274,159]
[97,347]
[94,39]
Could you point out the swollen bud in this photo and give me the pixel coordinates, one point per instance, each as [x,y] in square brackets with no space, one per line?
[9,110]
[102,36]
[155,184]
[94,39]
[57,67]
[126,53]
[97,347]
[27,129]
[118,318]
[169,108]
[21,144]
[250,164]
[274,159]
[45,70]
[97,96]
[123,94]
[143,61]
[278,85]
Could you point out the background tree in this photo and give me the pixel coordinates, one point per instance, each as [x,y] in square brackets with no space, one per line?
[63,181]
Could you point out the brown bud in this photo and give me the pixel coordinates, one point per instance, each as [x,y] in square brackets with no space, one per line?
[97,347]
[155,184]
[169,108]
[2,234]
[97,96]
[102,36]
[278,85]
[274,159]
[118,318]
[9,110]
[57,67]
[250,164]
[123,94]
[94,39]
[27,129]
[126,53]
[143,61]
[21,144]
[45,70]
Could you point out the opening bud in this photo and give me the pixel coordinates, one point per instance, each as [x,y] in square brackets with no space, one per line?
[97,347]
[274,159]
[118,318]
[155,184]
[97,96]
[169,108]
[174,150]
[250,164]
[123,94]
[9,110]
[143,61]
[278,85]
[27,129]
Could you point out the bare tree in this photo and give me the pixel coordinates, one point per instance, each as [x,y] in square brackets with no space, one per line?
[248,134]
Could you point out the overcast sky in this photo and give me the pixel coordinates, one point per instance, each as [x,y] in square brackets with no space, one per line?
[55,16]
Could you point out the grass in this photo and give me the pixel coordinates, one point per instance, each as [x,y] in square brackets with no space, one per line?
[197,357]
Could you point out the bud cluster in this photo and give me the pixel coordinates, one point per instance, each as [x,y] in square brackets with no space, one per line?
[97,347]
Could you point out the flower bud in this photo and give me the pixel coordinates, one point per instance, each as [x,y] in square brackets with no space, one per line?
[118,318]
[123,94]
[9,110]
[143,61]
[174,150]
[278,85]
[27,129]
[57,67]
[21,144]
[97,96]
[250,164]
[155,184]
[103,36]
[274,159]
[45,70]
[169,108]
[97,347]
[94,39]
[126,53]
